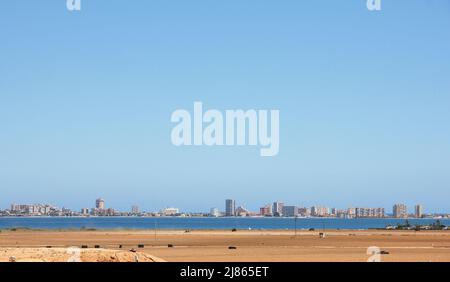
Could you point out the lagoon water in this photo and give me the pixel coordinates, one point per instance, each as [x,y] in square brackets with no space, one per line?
[202,223]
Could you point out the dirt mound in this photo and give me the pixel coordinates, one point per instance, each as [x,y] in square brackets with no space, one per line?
[72,255]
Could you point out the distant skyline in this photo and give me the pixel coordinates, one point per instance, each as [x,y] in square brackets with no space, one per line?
[226,208]
[86,99]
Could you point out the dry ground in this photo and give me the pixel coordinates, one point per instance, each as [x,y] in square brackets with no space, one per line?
[250,245]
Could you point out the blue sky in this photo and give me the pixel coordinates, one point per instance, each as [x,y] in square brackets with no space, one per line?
[86,99]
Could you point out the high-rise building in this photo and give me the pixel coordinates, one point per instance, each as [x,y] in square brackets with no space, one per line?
[369,212]
[100,204]
[341,213]
[400,211]
[320,211]
[290,211]
[277,208]
[351,212]
[418,211]
[266,210]
[230,207]
[304,211]
[84,211]
[14,207]
[333,211]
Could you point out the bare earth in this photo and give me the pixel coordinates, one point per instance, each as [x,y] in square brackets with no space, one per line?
[69,255]
[263,246]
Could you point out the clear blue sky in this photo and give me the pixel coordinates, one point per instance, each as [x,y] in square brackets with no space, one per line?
[86,99]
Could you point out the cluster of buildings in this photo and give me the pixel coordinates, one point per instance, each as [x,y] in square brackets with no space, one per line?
[279,209]
[50,210]
[36,210]
[99,209]
[276,209]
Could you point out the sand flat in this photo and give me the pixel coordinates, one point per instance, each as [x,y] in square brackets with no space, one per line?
[255,245]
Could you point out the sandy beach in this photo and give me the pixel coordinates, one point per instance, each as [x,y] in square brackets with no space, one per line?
[260,246]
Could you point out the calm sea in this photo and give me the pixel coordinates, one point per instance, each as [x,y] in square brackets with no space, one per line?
[201,223]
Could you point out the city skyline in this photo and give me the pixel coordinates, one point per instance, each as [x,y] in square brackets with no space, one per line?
[230,209]
[204,207]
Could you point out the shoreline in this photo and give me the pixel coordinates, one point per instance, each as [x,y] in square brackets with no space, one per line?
[221,223]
